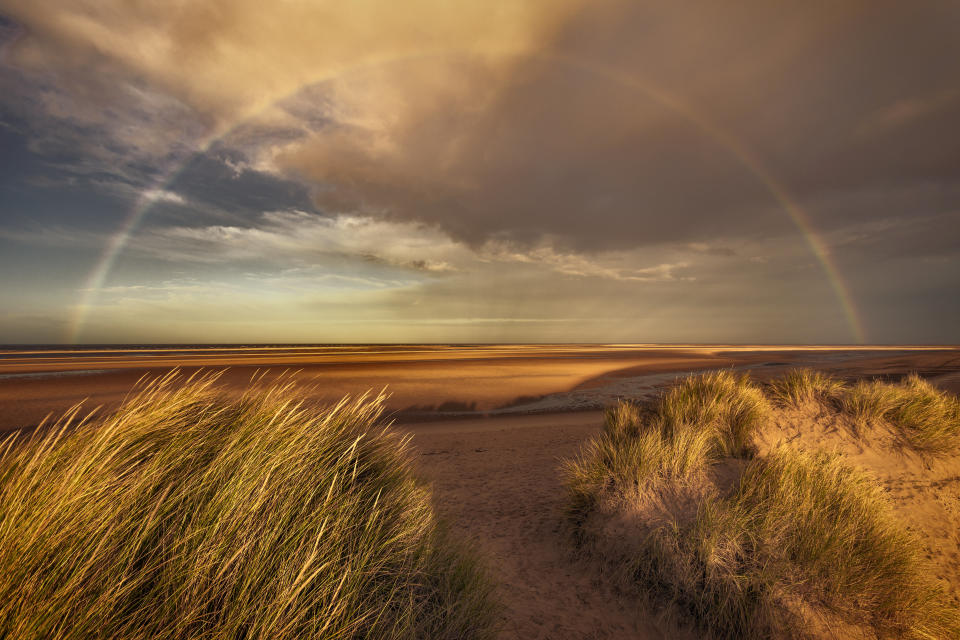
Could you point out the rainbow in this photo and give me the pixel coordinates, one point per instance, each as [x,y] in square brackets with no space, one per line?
[101,270]
[748,160]
[93,283]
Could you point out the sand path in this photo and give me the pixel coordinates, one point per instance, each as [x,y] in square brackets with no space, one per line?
[496,481]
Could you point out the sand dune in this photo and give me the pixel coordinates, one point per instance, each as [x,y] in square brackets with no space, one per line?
[491,425]
[925,491]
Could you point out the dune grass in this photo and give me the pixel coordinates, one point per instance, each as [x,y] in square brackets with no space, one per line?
[799,546]
[697,421]
[924,418]
[801,386]
[618,467]
[190,515]
[805,544]
[731,407]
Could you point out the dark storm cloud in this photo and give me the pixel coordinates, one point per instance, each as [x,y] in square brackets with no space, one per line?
[56,184]
[45,190]
[611,125]
[585,141]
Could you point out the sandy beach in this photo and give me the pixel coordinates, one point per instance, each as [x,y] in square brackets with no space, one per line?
[490,426]
[430,382]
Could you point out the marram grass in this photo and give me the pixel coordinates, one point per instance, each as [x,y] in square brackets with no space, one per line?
[189,515]
[801,386]
[800,545]
[729,406]
[924,418]
[692,424]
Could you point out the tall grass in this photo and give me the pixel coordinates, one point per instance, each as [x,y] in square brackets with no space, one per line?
[925,419]
[698,420]
[615,469]
[694,423]
[801,546]
[805,544]
[729,406]
[801,386]
[188,515]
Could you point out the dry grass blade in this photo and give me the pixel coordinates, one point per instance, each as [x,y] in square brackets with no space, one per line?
[801,386]
[186,515]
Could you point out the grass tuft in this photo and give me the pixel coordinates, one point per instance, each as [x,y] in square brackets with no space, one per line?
[188,515]
[813,530]
[800,545]
[612,469]
[802,386]
[924,418]
[698,420]
[729,406]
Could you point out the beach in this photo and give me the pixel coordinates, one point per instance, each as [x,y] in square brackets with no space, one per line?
[431,382]
[490,426]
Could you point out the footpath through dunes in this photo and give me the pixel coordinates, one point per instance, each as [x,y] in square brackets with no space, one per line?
[497,482]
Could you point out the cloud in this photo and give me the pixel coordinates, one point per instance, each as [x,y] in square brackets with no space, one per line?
[607,126]
[905,111]
[610,265]
[233,58]
[309,246]
[163,195]
[302,242]
[486,157]
[637,124]
[298,238]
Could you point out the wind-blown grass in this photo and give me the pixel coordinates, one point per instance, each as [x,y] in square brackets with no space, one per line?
[188,515]
[730,406]
[614,468]
[925,419]
[800,545]
[818,544]
[694,423]
[801,386]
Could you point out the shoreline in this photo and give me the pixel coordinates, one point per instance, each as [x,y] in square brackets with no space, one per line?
[445,382]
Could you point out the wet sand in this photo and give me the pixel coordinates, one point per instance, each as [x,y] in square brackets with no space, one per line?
[424,382]
[427,382]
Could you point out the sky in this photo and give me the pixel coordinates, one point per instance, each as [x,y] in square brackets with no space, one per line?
[322,171]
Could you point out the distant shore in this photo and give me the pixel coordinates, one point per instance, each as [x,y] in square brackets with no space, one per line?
[428,383]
